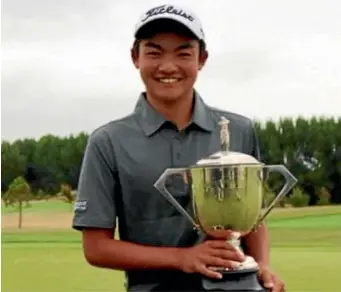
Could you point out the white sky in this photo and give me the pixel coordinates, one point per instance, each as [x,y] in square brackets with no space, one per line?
[66,66]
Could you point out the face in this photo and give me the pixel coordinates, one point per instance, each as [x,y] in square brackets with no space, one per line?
[169,65]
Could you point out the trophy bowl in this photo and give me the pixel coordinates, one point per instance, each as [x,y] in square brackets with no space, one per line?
[226,196]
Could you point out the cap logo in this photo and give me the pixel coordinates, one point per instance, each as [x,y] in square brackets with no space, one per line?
[165,9]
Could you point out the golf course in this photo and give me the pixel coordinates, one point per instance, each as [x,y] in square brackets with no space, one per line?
[45,255]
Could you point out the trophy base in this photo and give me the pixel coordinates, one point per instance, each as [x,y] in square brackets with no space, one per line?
[245,280]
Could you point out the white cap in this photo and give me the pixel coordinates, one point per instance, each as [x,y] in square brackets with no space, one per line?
[172,12]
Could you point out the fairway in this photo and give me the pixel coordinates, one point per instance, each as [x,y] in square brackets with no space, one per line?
[46,256]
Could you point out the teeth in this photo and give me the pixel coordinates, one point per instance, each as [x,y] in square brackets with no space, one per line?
[168,80]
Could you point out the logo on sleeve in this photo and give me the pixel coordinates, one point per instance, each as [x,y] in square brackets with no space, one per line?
[81,206]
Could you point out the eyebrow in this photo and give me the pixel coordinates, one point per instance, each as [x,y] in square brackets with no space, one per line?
[153,45]
[158,47]
[185,46]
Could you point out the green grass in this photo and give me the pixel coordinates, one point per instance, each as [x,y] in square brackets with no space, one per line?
[39,206]
[306,252]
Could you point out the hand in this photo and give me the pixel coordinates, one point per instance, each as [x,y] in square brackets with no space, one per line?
[211,253]
[270,280]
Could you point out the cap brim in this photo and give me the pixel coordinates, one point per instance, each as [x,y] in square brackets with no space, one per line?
[164,25]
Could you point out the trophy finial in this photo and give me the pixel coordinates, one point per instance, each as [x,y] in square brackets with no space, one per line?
[224,134]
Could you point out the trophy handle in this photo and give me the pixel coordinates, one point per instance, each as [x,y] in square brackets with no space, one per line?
[290,181]
[160,185]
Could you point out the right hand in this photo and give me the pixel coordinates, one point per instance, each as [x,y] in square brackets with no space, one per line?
[211,253]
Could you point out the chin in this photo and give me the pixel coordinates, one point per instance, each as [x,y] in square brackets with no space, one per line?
[169,95]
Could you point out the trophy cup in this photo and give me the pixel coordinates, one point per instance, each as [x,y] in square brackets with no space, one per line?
[227,196]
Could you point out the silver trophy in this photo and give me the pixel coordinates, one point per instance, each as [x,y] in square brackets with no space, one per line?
[227,195]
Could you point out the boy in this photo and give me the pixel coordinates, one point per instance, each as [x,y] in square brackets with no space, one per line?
[171,126]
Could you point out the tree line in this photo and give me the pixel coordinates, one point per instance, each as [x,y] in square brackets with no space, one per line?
[310,148]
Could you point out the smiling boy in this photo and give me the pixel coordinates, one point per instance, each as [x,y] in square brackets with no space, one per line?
[171,126]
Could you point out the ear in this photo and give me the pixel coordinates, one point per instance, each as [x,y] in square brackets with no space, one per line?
[203,59]
[134,57]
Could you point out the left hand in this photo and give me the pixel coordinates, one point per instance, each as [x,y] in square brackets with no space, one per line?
[270,280]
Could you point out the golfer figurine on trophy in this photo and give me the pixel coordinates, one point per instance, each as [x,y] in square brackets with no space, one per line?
[228,196]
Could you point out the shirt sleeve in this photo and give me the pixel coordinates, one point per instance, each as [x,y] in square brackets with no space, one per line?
[97,185]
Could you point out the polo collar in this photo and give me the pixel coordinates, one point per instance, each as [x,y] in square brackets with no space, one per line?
[151,120]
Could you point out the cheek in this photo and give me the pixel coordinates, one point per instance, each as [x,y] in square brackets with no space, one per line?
[146,70]
[191,70]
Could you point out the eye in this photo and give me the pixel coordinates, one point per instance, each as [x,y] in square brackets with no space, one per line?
[184,54]
[153,53]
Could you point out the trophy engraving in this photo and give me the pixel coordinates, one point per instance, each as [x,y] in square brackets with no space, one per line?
[227,198]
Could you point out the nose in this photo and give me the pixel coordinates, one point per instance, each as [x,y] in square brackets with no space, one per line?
[167,67]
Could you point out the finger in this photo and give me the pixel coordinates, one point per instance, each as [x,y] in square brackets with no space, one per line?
[227,255]
[219,262]
[278,286]
[202,269]
[220,244]
[283,288]
[219,234]
[266,278]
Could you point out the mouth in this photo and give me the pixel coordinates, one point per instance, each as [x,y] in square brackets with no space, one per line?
[168,80]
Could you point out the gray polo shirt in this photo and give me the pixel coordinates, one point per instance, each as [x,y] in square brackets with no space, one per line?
[125,157]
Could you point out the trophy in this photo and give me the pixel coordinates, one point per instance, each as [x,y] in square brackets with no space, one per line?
[227,196]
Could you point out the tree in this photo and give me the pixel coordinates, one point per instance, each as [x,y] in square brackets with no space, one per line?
[66,194]
[18,195]
[12,163]
[309,148]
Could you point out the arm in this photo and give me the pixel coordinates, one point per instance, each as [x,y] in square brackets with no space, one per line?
[95,215]
[103,251]
[257,242]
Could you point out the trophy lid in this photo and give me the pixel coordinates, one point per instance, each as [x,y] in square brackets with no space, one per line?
[228,158]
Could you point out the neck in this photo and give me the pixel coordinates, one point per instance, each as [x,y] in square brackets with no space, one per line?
[178,112]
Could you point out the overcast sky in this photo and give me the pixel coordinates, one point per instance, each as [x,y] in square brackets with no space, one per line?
[66,66]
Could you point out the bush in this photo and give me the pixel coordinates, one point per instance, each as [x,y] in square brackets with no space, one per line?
[298,198]
[66,194]
[323,197]
[269,196]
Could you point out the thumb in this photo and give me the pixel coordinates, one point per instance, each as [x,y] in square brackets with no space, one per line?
[266,278]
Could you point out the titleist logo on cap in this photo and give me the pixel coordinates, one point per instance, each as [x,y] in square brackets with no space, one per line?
[167,9]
